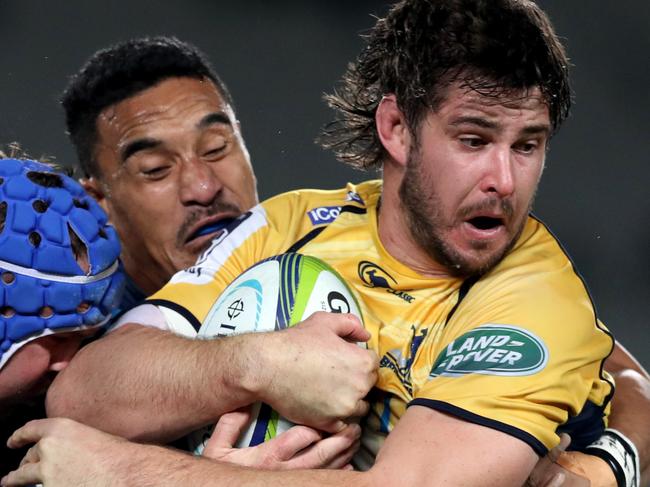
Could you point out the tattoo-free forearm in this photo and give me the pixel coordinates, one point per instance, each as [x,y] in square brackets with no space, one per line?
[147,384]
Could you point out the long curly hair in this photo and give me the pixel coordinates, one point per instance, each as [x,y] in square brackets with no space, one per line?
[494,47]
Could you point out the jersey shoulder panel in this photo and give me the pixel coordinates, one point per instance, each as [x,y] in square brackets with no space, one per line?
[269,229]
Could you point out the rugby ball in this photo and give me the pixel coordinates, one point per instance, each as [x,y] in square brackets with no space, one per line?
[274,294]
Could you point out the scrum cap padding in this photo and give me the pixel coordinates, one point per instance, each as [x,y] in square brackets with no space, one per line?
[59,268]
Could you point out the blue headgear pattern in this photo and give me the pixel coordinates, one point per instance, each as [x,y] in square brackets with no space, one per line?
[43,289]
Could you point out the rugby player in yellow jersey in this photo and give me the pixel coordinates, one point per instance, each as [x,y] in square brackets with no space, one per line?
[453,230]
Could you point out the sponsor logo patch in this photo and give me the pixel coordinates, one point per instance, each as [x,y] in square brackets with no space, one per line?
[374,276]
[323,214]
[492,350]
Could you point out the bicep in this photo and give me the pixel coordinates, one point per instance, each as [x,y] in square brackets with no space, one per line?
[430,448]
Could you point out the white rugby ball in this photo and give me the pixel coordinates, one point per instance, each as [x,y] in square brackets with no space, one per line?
[274,294]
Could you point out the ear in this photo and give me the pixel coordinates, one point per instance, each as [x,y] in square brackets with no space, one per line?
[94,188]
[393,130]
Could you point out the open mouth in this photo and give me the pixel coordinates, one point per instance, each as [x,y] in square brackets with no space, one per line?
[485,222]
[211,227]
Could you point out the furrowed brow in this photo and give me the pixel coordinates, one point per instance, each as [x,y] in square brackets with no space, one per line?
[478,121]
[137,146]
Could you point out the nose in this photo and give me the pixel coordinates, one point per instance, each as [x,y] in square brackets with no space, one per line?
[199,184]
[499,176]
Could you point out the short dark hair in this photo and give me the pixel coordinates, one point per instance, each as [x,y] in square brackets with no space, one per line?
[422,46]
[119,72]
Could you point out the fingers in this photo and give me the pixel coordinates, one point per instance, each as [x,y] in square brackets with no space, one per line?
[349,327]
[557,480]
[337,450]
[227,430]
[333,452]
[361,409]
[32,455]
[286,445]
[27,474]
[29,433]
[555,453]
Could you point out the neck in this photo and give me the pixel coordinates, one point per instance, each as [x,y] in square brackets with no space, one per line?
[143,275]
[395,234]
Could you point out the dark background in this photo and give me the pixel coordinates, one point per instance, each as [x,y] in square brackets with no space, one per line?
[278,57]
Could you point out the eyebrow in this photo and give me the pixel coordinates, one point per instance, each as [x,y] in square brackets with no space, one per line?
[541,128]
[214,118]
[151,143]
[481,122]
[137,146]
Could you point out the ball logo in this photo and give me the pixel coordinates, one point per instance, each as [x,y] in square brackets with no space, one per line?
[337,302]
[235,308]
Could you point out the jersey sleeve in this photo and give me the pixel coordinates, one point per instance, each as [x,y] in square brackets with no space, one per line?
[523,354]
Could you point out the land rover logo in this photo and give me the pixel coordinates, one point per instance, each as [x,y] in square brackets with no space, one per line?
[492,350]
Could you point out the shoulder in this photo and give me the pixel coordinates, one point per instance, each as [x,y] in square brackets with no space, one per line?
[317,206]
[537,287]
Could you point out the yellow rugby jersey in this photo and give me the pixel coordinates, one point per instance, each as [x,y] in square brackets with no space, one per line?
[518,350]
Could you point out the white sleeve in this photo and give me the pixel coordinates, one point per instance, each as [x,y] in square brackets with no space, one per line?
[156,317]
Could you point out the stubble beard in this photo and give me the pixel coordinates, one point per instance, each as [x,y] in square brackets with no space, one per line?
[426,223]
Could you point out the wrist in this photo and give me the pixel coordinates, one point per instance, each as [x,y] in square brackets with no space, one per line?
[250,365]
[621,456]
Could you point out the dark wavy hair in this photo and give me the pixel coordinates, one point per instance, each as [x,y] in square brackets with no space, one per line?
[119,72]
[494,47]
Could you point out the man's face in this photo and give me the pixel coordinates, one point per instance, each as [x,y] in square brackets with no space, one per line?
[471,178]
[172,166]
[31,369]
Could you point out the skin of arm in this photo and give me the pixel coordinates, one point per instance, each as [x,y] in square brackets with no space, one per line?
[630,414]
[426,448]
[151,385]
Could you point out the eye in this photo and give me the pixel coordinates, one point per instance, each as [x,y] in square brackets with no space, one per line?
[527,147]
[216,147]
[215,151]
[472,142]
[155,171]
[215,143]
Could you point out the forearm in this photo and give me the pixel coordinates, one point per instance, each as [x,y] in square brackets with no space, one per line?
[68,453]
[147,384]
[153,466]
[191,471]
[631,415]
[631,404]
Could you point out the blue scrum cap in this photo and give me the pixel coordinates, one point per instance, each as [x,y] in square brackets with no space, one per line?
[59,268]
